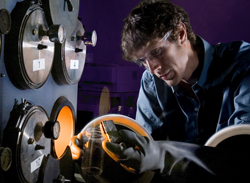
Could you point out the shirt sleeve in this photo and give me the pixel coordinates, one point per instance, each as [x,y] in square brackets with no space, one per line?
[241,113]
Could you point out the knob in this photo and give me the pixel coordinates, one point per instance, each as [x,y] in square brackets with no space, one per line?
[5,20]
[39,147]
[56,33]
[41,46]
[5,158]
[69,5]
[90,38]
[78,50]
[51,130]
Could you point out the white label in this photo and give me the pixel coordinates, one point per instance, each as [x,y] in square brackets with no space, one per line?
[36,164]
[38,64]
[74,64]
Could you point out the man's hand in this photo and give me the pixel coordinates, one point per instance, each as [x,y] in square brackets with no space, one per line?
[137,153]
[76,145]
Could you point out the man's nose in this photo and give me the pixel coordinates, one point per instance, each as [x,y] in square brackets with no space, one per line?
[153,66]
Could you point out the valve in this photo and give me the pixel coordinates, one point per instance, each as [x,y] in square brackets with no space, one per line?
[56,33]
[51,130]
[90,38]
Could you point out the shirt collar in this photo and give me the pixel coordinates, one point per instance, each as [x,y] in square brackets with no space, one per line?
[208,57]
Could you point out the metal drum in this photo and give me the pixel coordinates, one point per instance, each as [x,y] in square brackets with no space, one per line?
[29,46]
[70,57]
[26,143]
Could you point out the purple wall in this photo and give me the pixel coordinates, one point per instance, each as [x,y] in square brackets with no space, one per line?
[219,20]
[106,17]
[214,20]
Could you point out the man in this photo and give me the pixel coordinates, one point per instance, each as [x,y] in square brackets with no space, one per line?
[189,90]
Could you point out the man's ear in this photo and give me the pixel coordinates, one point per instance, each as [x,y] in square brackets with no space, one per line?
[182,33]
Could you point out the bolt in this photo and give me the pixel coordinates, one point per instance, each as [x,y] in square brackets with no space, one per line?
[31,141]
[34,31]
[40,47]
[78,50]
[39,147]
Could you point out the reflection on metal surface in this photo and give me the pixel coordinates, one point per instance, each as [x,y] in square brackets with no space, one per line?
[104,103]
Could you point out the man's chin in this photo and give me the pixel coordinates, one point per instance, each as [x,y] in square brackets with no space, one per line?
[171,82]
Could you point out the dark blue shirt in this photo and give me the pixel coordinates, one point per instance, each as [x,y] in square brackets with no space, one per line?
[222,97]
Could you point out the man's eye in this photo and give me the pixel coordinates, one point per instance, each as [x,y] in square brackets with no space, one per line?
[156,52]
[141,60]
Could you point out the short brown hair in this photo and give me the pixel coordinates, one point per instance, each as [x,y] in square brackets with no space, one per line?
[150,20]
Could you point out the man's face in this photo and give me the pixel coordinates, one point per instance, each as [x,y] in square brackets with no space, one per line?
[167,60]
